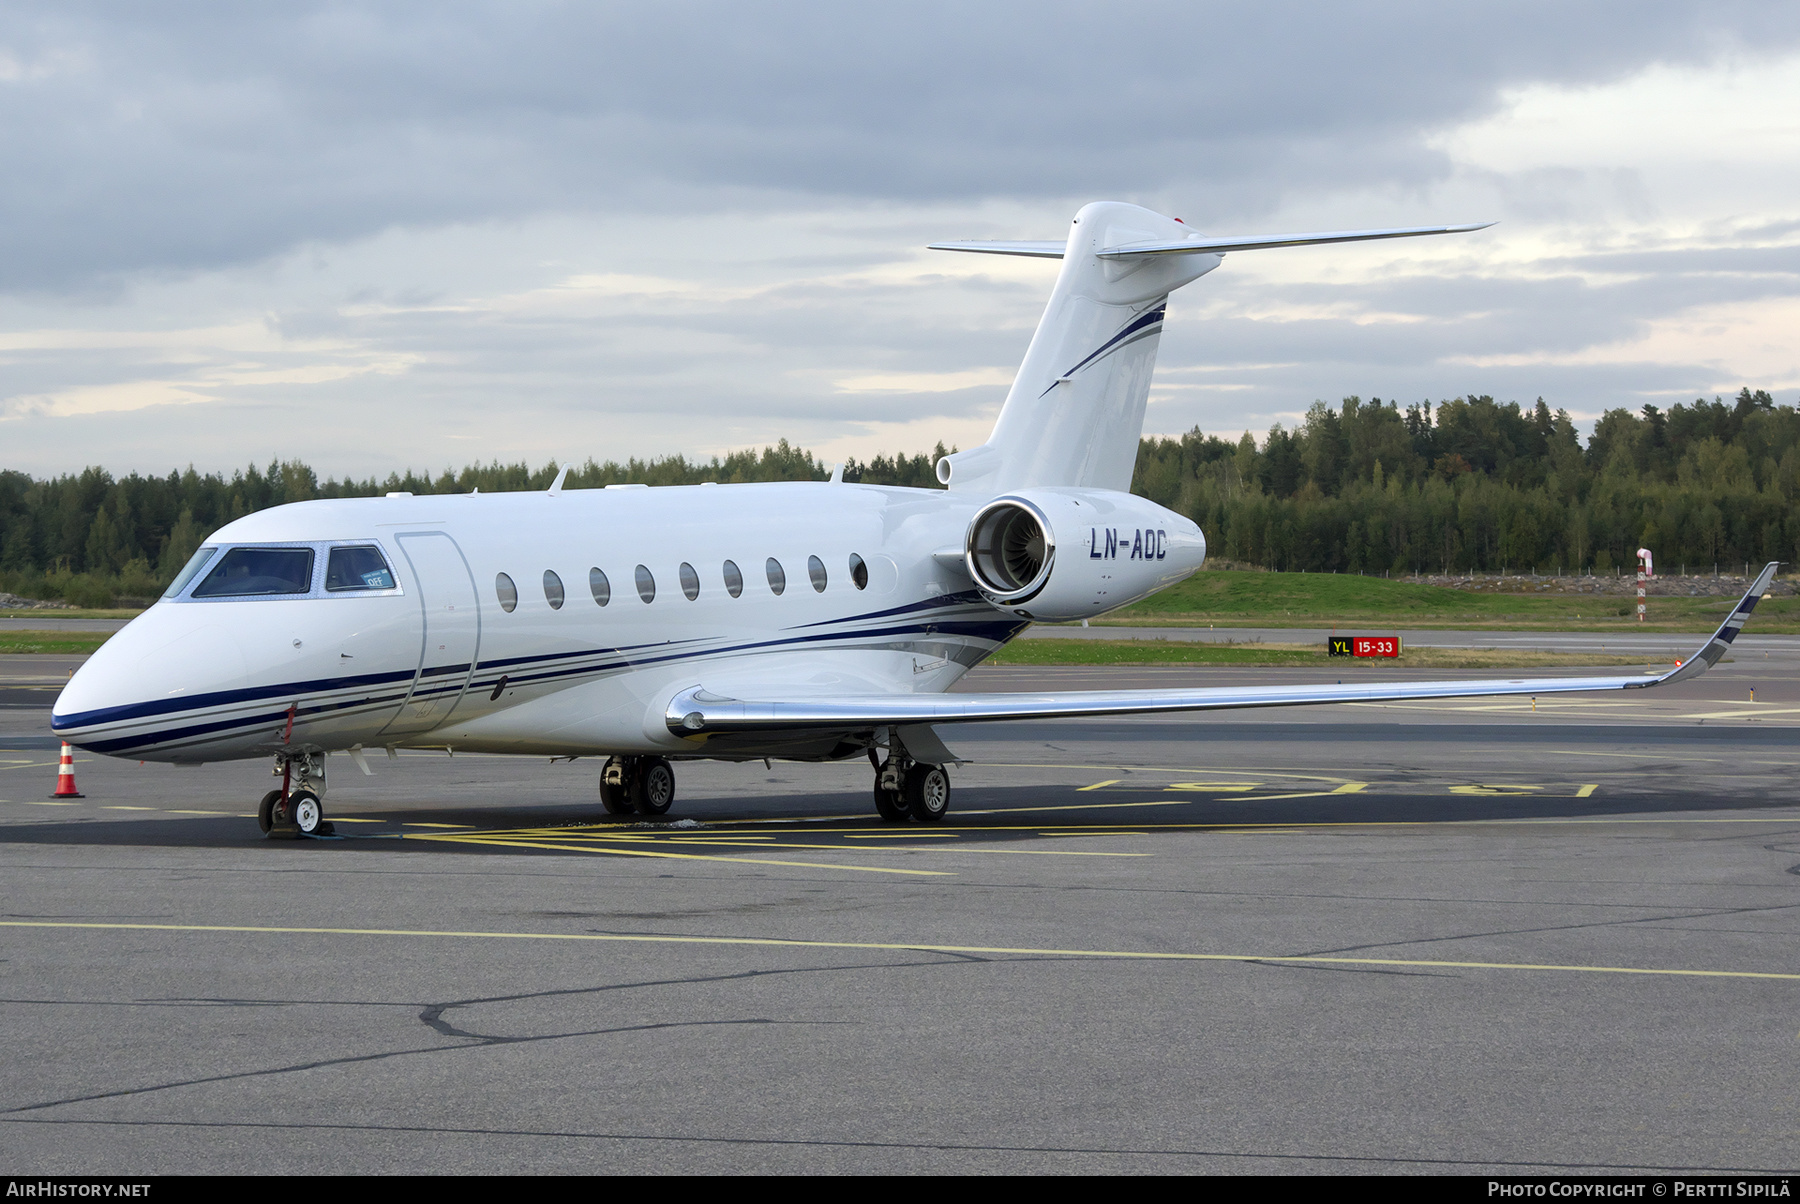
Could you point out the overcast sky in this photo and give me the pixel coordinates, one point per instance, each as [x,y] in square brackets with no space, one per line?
[380,236]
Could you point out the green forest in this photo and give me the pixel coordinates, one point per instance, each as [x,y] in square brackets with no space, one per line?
[1469,484]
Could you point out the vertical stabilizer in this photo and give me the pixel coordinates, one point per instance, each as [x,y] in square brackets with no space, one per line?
[1076,409]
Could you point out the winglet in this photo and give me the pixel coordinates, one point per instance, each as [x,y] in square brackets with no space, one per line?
[556,485]
[1716,647]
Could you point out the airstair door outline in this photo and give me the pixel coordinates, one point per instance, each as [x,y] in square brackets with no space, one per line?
[452,630]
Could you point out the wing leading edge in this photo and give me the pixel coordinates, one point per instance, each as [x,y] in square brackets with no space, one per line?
[696,713]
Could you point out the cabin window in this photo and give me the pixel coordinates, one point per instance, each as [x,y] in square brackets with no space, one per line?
[600,587]
[777,578]
[815,568]
[195,563]
[734,580]
[646,584]
[690,581]
[357,568]
[553,590]
[859,572]
[506,591]
[259,573]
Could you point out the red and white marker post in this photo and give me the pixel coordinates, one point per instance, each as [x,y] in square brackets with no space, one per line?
[65,775]
[1644,574]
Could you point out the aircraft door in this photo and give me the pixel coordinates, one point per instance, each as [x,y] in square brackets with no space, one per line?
[447,598]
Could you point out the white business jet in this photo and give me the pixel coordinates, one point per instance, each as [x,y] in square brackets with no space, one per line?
[812,621]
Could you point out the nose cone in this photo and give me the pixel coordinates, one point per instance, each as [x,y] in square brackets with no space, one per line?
[145,684]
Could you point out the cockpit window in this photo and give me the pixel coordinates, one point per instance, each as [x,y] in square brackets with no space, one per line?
[195,563]
[259,572]
[357,568]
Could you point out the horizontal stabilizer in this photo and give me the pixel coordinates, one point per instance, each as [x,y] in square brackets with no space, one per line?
[1037,250]
[1259,242]
[1205,246]
[695,713]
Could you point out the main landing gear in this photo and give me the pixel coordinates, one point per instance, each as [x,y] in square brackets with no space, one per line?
[645,785]
[296,809]
[905,788]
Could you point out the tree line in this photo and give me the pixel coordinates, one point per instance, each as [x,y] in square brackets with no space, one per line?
[1478,485]
[1469,484]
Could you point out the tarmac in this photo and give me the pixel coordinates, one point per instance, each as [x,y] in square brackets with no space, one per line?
[1457,937]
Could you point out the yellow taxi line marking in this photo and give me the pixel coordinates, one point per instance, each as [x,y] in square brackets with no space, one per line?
[1164,802]
[462,838]
[1587,790]
[1350,788]
[177,811]
[344,819]
[899,836]
[832,848]
[416,825]
[128,808]
[34,803]
[896,946]
[1167,772]
[1100,785]
[1138,829]
[586,842]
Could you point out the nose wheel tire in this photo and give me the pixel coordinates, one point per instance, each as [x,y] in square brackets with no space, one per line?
[306,812]
[265,811]
[303,815]
[653,786]
[927,793]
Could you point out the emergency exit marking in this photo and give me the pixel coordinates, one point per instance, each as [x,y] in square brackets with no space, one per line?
[1364,645]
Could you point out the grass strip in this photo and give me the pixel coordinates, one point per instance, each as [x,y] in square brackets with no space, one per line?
[1256,655]
[63,642]
[1248,599]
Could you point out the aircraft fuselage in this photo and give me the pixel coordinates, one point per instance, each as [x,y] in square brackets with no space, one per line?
[812,588]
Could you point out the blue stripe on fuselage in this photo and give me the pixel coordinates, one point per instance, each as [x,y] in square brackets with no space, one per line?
[997,630]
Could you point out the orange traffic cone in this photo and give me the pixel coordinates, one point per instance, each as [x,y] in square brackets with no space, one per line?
[65,775]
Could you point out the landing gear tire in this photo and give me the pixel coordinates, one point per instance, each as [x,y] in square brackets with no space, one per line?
[615,787]
[927,793]
[653,786]
[306,812]
[265,811]
[889,806]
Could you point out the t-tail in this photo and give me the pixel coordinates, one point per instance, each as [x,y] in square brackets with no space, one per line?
[1076,409]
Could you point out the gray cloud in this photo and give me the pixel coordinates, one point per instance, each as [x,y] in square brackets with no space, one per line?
[172,137]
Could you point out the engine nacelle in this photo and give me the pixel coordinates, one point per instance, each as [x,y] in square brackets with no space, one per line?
[1059,554]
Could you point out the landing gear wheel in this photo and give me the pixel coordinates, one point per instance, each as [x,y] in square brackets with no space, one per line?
[615,787]
[888,803]
[306,812]
[265,811]
[927,792]
[653,786]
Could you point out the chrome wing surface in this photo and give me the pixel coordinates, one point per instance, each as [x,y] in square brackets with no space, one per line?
[697,713]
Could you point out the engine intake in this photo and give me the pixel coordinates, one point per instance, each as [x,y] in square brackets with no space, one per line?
[1010,550]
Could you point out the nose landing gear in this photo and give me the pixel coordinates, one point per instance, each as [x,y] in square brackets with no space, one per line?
[637,784]
[296,809]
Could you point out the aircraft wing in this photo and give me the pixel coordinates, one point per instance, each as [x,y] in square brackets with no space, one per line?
[696,713]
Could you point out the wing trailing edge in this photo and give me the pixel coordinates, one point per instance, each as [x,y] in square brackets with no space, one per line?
[695,713]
